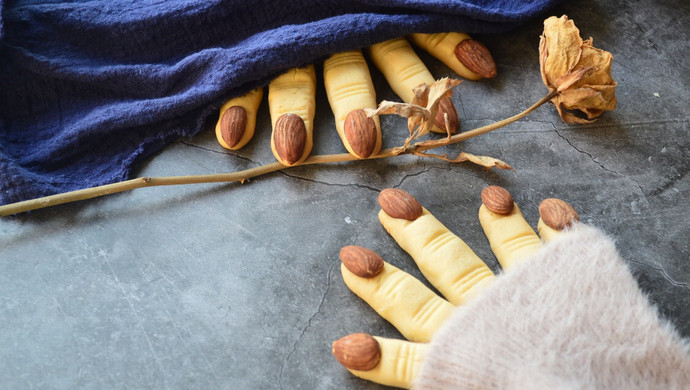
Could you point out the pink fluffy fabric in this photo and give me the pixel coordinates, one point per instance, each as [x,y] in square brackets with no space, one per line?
[572,317]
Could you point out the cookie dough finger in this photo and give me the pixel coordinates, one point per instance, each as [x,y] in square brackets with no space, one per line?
[458,51]
[349,89]
[385,361]
[396,295]
[555,215]
[511,238]
[447,262]
[405,71]
[292,102]
[237,120]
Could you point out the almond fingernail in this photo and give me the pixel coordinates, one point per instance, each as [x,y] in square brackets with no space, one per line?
[289,137]
[361,133]
[497,199]
[361,261]
[400,204]
[445,106]
[476,57]
[232,125]
[557,214]
[358,351]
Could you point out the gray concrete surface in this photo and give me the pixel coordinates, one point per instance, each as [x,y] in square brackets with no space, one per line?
[237,286]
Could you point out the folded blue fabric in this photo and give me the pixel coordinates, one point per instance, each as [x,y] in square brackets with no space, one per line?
[90,88]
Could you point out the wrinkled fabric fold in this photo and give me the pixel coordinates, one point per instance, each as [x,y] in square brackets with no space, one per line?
[89,89]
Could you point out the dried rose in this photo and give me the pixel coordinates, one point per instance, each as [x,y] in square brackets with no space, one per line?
[579,72]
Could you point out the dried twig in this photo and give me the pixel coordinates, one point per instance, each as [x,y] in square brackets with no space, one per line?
[241,176]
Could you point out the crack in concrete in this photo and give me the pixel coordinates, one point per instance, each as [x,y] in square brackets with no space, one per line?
[331,184]
[358,233]
[594,160]
[447,167]
[672,182]
[462,106]
[200,165]
[308,325]
[219,152]
[639,186]
[633,124]
[663,274]
[247,159]
[183,142]
[450,168]
[409,175]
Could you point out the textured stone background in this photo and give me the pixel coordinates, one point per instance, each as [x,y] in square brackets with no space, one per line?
[237,286]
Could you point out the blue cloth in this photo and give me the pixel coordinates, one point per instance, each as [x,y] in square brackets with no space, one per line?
[88,89]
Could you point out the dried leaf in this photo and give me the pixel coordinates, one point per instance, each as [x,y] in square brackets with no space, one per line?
[401,109]
[484,161]
[421,113]
[446,121]
[421,95]
[440,89]
[414,122]
[579,72]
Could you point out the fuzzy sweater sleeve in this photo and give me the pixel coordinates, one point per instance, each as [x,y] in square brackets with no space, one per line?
[572,317]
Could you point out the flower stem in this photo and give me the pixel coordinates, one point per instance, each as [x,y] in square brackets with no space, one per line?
[241,176]
[425,145]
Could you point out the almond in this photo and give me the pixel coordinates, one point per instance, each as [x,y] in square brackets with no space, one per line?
[361,261]
[361,133]
[232,125]
[476,57]
[497,199]
[358,351]
[445,106]
[399,204]
[289,138]
[557,214]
